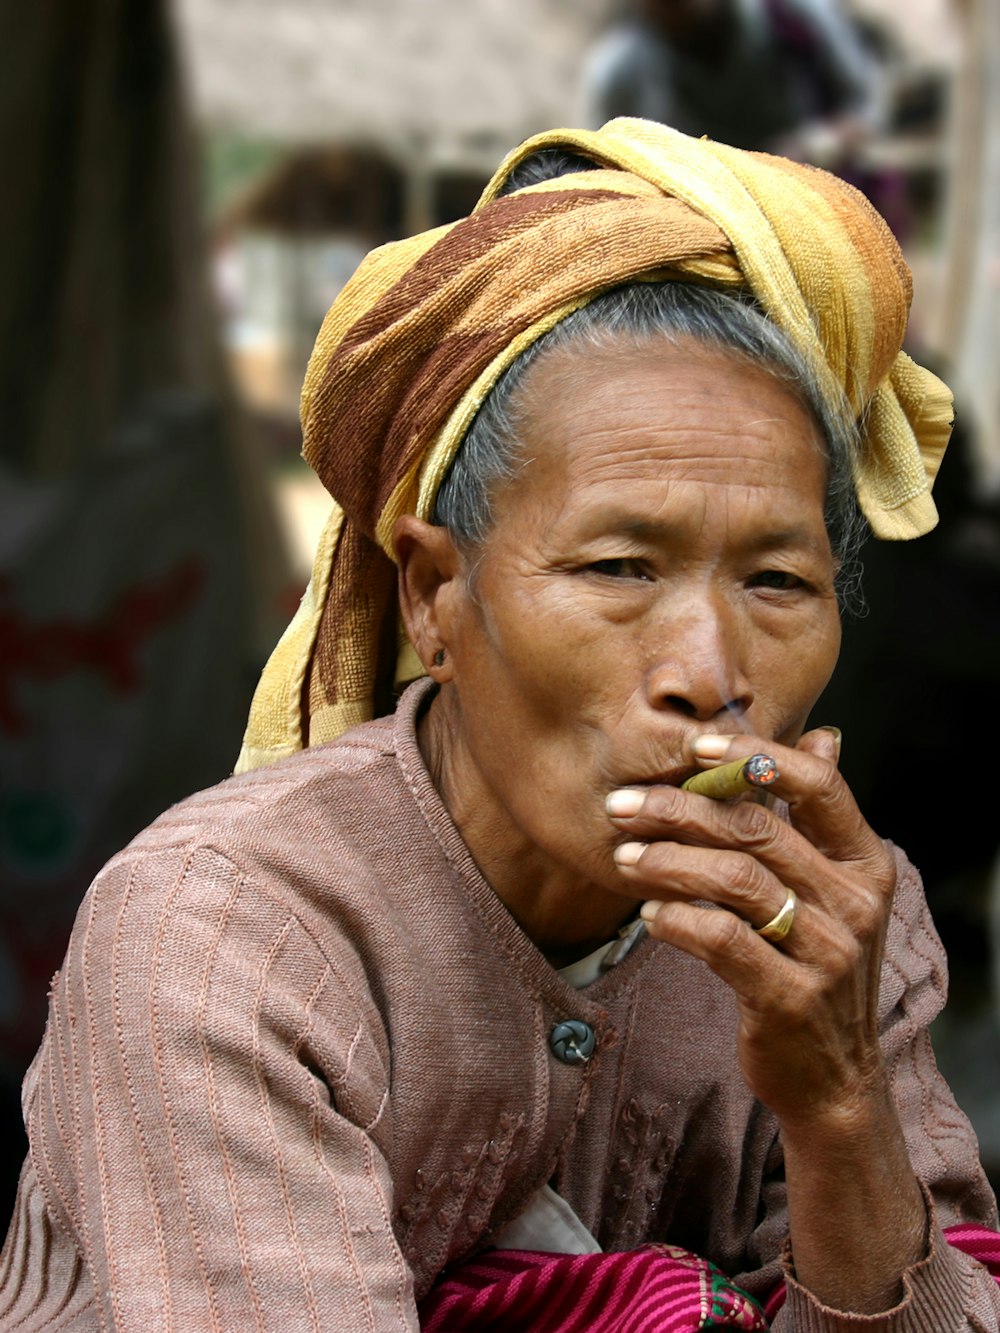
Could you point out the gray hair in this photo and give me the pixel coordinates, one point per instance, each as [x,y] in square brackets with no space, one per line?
[673,311]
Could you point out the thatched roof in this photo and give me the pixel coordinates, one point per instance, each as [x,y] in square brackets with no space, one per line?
[465,76]
[462,79]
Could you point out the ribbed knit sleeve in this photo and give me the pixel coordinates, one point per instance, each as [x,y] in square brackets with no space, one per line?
[205,1116]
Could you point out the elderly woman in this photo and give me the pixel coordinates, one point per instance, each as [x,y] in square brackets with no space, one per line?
[476,1016]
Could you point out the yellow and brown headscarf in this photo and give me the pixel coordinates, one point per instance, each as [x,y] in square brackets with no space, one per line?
[425,327]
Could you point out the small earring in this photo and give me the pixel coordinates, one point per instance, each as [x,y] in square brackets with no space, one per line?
[439,657]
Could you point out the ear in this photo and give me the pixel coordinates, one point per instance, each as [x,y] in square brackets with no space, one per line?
[431,580]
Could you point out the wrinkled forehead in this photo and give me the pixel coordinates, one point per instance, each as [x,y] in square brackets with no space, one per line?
[598,424]
[638,379]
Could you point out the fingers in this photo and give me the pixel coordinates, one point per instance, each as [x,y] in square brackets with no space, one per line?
[729,940]
[726,943]
[681,847]
[821,803]
[820,966]
[731,879]
[742,856]
[821,806]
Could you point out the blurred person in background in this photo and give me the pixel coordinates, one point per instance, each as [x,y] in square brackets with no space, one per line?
[789,76]
[794,77]
[470,1016]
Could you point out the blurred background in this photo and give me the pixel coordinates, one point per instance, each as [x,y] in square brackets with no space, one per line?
[190,184]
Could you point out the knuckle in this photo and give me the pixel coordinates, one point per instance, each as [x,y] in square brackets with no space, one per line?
[659,858]
[842,968]
[730,932]
[664,802]
[754,823]
[745,878]
[829,784]
[850,955]
[885,874]
[868,912]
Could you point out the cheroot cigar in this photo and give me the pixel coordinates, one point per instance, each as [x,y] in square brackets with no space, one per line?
[730,780]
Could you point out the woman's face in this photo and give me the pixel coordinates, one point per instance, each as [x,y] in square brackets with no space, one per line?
[659,568]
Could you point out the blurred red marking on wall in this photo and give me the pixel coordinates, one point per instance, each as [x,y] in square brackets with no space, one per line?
[108,645]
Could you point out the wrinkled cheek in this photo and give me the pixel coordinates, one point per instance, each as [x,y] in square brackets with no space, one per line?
[814,658]
[557,680]
[828,656]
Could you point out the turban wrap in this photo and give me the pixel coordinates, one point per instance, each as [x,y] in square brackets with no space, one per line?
[424,328]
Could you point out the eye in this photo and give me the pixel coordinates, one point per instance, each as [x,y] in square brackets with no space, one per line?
[778,579]
[622,567]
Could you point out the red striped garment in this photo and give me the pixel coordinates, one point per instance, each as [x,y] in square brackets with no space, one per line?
[653,1289]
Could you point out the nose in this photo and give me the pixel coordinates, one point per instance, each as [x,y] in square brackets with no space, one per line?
[697,667]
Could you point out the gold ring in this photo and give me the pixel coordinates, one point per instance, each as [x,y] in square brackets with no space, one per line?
[779,926]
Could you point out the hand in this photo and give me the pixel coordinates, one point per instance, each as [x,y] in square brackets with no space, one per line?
[808,1033]
[808,1028]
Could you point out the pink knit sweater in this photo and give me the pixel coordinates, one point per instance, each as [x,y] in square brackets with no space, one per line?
[297,1061]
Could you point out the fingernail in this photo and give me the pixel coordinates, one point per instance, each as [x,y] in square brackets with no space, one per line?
[710,747]
[648,910]
[625,802]
[629,853]
[837,735]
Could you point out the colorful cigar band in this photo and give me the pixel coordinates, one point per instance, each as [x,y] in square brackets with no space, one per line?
[730,780]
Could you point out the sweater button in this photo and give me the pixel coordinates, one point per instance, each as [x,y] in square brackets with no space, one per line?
[572,1042]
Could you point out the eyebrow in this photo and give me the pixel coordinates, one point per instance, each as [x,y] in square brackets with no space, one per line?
[644,530]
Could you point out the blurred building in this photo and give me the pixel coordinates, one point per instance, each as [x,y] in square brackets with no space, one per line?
[366,122]
[439,86]
[330,126]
